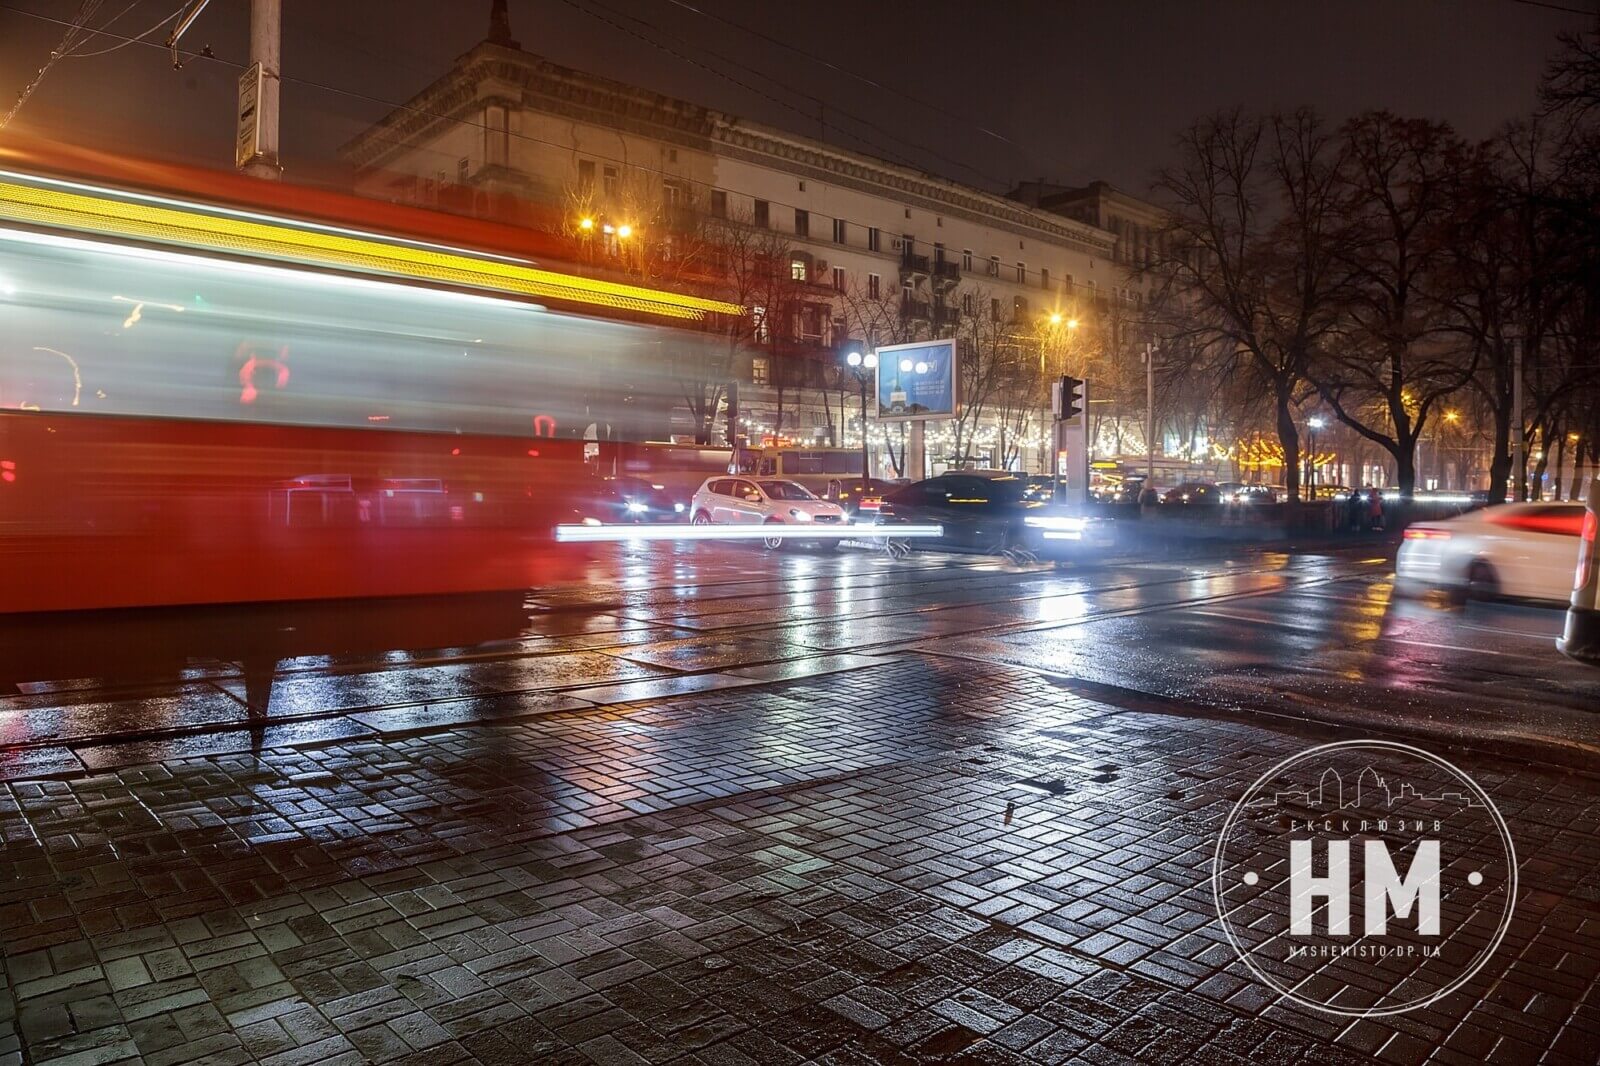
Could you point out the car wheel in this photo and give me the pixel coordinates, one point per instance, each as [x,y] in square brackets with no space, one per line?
[1482,582]
[772,544]
[701,518]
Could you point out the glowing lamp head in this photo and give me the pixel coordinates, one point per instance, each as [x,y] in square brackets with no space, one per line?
[905,366]
[624,231]
[871,361]
[1072,323]
[586,224]
[854,358]
[1055,318]
[1317,423]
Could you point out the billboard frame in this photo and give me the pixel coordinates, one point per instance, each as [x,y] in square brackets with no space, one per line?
[890,351]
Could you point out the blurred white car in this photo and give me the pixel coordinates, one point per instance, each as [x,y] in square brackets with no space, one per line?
[756,500]
[1520,550]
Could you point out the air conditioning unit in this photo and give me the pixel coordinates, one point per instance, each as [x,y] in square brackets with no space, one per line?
[820,269]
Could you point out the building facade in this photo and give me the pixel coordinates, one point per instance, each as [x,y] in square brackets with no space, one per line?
[854,251]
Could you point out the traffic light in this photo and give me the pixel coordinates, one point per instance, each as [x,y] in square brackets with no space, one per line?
[1066,399]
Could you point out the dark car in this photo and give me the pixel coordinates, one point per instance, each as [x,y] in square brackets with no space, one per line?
[989,512]
[860,497]
[1193,493]
[625,499]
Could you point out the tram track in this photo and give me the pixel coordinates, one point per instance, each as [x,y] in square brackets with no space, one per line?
[255,723]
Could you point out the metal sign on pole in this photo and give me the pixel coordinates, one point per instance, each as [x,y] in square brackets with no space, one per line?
[249,135]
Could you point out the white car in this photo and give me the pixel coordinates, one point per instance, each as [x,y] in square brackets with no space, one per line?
[758,500]
[1521,550]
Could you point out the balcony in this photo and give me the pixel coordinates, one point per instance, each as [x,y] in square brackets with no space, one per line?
[916,310]
[946,317]
[913,267]
[946,273]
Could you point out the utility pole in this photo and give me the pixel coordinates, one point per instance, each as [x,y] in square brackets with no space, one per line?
[1149,416]
[256,145]
[266,60]
[1518,462]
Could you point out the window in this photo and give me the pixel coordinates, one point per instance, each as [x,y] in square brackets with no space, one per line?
[463,168]
[672,155]
[907,293]
[908,212]
[762,213]
[841,331]
[496,135]
[611,181]
[673,194]
[873,239]
[838,279]
[802,186]
[719,203]
[758,324]
[802,222]
[874,285]
[938,252]
[586,175]
[994,266]
[938,220]
[841,231]
[994,308]
[966,260]
[966,303]
[1022,273]
[1044,278]
[759,371]
[797,269]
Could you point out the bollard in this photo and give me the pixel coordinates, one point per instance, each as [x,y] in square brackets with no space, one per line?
[1581,640]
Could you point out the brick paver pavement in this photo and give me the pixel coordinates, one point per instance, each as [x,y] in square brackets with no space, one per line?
[915,861]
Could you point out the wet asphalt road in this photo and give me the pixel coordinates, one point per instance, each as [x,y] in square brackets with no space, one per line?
[1306,640]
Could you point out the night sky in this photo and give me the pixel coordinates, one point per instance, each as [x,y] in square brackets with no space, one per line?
[988,93]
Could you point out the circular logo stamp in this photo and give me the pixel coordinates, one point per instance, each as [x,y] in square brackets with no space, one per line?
[1364,878]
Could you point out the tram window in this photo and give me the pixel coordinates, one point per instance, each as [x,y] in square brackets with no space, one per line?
[102,330]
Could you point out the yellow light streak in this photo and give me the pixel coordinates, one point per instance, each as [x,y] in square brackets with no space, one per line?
[107,216]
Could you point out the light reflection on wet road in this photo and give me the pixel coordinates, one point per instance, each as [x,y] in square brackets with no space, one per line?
[1311,636]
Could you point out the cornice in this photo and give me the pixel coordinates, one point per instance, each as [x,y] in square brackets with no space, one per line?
[553,89]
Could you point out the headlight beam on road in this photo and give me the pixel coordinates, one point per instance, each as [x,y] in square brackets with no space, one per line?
[575,534]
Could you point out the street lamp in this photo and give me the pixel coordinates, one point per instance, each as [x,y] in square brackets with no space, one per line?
[863,366]
[1315,423]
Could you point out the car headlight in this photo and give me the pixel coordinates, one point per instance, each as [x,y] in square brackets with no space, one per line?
[799,515]
[678,507]
[1068,523]
[635,507]
[591,522]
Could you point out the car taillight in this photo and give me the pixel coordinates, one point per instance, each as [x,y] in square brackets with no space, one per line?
[871,503]
[1424,533]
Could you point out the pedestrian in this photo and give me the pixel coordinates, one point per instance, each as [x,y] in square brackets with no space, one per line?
[1355,508]
[1375,511]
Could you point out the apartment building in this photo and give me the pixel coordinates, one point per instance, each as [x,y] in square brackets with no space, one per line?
[877,252]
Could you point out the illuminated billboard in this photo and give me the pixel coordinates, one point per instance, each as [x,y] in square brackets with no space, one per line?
[918,381]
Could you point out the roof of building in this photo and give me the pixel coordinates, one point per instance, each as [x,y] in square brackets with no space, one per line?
[603,101]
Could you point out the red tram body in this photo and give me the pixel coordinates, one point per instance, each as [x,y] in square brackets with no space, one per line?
[204,403]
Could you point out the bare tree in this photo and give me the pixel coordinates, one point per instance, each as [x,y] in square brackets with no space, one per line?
[1245,267]
[1393,357]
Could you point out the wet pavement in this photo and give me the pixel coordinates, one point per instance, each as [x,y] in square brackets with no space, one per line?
[705,804]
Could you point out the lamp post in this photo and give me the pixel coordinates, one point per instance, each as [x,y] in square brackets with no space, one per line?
[863,366]
[1315,423]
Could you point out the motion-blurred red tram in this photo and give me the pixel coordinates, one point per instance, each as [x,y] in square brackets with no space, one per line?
[205,402]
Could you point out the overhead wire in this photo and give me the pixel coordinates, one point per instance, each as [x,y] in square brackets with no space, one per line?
[823,105]
[86,11]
